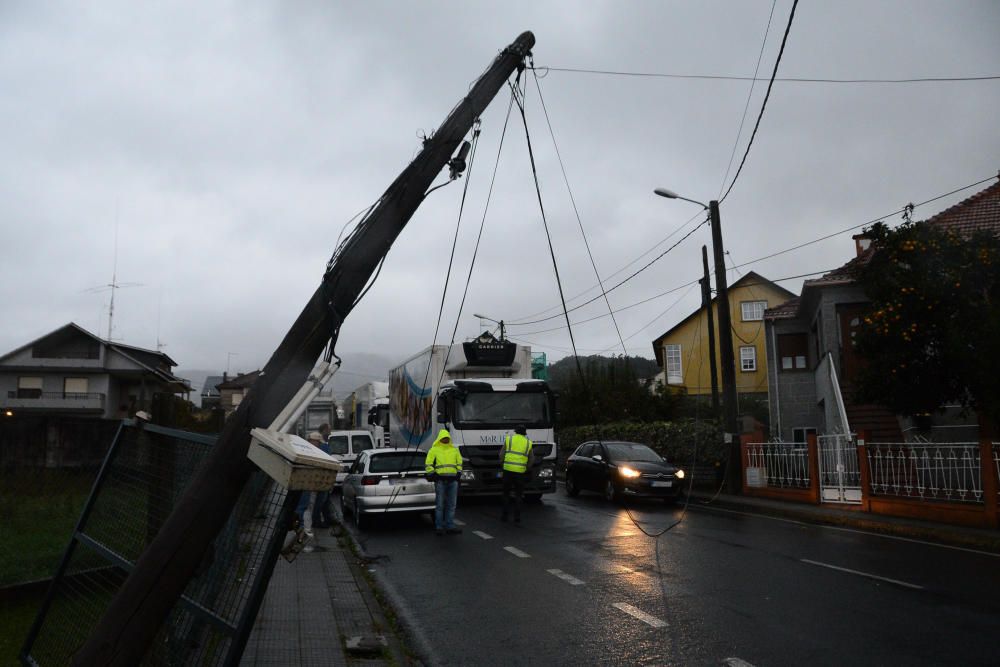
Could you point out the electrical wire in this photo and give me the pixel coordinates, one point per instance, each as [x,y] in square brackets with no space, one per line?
[767,95]
[746,106]
[792,79]
[576,211]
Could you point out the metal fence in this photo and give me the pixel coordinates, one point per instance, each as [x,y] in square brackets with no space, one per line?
[927,471]
[783,464]
[146,471]
[839,469]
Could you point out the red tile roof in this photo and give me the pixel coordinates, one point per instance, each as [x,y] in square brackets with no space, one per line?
[980,212]
[784,311]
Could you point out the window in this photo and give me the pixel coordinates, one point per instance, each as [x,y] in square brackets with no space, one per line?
[361,442]
[748,358]
[75,387]
[792,351]
[753,311]
[237,398]
[672,363]
[800,434]
[338,444]
[29,387]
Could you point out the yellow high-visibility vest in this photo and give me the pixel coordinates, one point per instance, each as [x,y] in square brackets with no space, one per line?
[515,453]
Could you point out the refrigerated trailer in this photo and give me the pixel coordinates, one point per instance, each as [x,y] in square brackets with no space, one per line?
[480,391]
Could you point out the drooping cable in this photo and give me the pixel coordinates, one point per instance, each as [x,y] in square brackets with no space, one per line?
[763,105]
[576,211]
[746,107]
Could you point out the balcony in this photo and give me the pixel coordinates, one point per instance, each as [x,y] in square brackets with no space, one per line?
[54,400]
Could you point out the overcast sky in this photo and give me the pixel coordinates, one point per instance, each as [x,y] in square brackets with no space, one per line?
[230,142]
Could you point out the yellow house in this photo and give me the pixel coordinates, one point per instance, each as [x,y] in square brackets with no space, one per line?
[682,352]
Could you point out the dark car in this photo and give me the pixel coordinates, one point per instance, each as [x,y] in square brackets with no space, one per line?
[622,470]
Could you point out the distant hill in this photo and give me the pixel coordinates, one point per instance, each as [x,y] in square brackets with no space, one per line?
[561,372]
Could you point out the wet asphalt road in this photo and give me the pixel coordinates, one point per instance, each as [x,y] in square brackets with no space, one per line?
[577,583]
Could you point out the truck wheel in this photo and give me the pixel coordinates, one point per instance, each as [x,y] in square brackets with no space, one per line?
[611,493]
[571,488]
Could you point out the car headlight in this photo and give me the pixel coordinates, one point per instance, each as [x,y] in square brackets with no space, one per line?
[628,472]
[545,473]
[679,474]
[468,476]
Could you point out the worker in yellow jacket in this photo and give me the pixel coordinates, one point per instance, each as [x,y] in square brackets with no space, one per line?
[517,458]
[444,466]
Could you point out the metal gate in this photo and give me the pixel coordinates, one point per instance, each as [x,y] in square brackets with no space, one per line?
[839,474]
[145,471]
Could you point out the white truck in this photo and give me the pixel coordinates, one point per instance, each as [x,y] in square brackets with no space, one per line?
[480,391]
[370,411]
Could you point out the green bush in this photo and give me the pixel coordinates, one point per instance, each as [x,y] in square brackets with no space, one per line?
[680,442]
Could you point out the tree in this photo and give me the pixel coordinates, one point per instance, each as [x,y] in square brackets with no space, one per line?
[932,333]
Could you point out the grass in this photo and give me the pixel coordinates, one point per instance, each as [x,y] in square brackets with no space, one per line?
[16,617]
[40,508]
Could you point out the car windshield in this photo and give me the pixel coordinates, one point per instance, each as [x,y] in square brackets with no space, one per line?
[630,451]
[338,444]
[508,407]
[397,462]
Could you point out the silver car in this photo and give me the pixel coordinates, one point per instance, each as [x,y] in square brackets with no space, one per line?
[386,480]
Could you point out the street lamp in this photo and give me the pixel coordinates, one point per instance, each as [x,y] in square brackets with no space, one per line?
[503,335]
[730,414]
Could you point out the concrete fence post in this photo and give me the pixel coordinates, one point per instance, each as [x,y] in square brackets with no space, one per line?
[988,474]
[864,437]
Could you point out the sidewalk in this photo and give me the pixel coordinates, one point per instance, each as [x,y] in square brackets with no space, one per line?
[985,539]
[320,610]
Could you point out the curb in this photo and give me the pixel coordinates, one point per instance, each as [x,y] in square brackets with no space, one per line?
[970,538]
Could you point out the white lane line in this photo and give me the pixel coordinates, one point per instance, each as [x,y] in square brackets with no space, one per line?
[862,574]
[483,535]
[517,552]
[736,662]
[851,530]
[568,578]
[459,523]
[641,615]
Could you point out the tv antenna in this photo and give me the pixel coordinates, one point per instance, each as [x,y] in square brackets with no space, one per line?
[114,285]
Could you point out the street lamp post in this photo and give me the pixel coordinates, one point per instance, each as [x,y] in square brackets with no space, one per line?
[730,413]
[503,334]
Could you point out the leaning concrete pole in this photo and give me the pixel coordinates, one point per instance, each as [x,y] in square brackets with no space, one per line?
[132,619]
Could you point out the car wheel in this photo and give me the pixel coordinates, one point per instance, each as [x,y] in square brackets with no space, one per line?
[571,488]
[360,521]
[533,498]
[610,492]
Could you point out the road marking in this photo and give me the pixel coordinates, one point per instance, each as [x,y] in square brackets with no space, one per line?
[851,530]
[641,615]
[568,578]
[459,523]
[517,552]
[862,574]
[736,662]
[482,535]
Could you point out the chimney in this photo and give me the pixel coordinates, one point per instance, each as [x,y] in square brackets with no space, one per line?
[861,243]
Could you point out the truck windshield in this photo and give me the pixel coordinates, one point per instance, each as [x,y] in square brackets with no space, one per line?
[508,407]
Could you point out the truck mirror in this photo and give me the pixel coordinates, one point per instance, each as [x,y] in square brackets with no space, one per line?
[442,410]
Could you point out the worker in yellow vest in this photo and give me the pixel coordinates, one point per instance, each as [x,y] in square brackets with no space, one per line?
[516,458]
[444,466]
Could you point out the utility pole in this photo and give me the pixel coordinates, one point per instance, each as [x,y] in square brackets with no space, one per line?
[143,603]
[734,475]
[706,303]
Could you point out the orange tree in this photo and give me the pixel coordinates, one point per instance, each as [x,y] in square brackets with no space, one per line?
[932,333]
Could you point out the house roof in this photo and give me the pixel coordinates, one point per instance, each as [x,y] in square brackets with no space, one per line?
[130,352]
[240,381]
[211,386]
[751,279]
[784,311]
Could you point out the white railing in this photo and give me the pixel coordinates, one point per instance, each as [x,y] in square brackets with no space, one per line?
[784,464]
[927,471]
[839,469]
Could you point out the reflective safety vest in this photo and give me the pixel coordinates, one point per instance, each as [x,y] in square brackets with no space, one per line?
[442,459]
[515,453]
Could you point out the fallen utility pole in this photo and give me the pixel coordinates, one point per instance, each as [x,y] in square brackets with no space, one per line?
[135,615]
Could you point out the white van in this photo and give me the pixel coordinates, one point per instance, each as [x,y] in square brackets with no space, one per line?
[345,447]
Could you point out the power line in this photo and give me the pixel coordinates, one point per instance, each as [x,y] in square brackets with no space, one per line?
[767,95]
[720,77]
[746,107]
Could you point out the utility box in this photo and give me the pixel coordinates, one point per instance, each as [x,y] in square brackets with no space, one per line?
[292,462]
